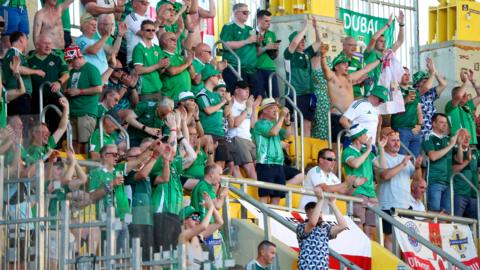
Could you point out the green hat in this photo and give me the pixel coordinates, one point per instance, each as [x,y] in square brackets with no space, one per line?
[356,131]
[187,212]
[293,35]
[209,71]
[163,2]
[381,92]
[420,75]
[341,58]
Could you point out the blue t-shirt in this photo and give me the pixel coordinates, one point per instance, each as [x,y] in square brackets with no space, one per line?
[395,192]
[99,59]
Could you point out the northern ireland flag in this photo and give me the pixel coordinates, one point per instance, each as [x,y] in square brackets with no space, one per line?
[358,251]
[455,239]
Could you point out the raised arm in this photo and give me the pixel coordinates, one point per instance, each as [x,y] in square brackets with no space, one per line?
[318,41]
[62,126]
[357,75]
[316,212]
[379,33]
[438,154]
[298,38]
[401,31]
[341,222]
[327,72]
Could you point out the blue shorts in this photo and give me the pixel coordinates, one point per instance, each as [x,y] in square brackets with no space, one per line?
[16,19]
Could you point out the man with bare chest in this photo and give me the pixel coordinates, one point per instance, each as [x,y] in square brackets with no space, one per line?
[48,21]
[340,85]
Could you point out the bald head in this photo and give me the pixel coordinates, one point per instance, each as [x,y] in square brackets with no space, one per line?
[203,52]
[43,46]
[349,46]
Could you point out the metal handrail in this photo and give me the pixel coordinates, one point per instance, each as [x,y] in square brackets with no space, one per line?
[419,238]
[40,92]
[285,81]
[59,112]
[409,152]
[122,130]
[238,72]
[269,212]
[464,178]
[297,113]
[435,216]
[339,160]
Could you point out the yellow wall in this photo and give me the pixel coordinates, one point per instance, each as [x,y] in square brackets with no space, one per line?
[288,7]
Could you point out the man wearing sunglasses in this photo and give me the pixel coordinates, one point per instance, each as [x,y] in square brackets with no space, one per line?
[323,175]
[243,40]
[394,181]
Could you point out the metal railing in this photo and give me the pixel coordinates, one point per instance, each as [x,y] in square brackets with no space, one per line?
[122,130]
[267,212]
[380,215]
[40,93]
[297,114]
[238,71]
[59,112]
[460,175]
[339,149]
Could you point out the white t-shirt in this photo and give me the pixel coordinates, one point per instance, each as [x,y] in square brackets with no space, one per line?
[362,112]
[134,23]
[396,191]
[315,177]
[243,130]
[417,206]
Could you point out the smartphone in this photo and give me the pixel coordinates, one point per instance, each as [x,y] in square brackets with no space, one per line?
[278,41]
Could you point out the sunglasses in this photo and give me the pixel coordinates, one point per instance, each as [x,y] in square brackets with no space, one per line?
[329,158]
[195,217]
[149,30]
[112,153]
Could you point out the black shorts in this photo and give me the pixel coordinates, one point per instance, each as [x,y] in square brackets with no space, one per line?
[271,174]
[290,172]
[307,104]
[387,226]
[224,149]
[336,127]
[145,233]
[166,230]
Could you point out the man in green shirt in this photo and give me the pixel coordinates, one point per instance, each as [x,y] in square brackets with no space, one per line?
[56,72]
[465,197]
[409,123]
[438,147]
[349,50]
[149,62]
[299,72]
[43,142]
[359,161]
[211,105]
[242,39]
[142,212]
[21,105]
[267,134]
[460,110]
[267,52]
[176,77]
[203,55]
[83,88]
[377,47]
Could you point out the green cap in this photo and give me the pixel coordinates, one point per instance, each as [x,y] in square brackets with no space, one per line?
[420,75]
[381,92]
[185,95]
[293,35]
[187,212]
[219,85]
[209,71]
[356,131]
[163,2]
[341,58]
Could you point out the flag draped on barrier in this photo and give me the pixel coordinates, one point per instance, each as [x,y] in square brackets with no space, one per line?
[455,239]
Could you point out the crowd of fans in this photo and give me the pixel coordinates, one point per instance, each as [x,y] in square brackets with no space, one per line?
[189,119]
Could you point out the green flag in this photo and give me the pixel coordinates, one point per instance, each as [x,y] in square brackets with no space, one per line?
[362,26]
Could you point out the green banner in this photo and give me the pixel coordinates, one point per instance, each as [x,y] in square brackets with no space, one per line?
[362,26]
